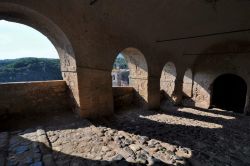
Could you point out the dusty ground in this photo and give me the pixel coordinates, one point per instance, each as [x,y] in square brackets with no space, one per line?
[174,136]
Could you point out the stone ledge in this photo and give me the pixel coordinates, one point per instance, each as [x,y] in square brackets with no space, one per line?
[34,82]
[33,97]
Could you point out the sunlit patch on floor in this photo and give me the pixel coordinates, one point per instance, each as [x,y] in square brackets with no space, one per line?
[172,120]
[213,113]
[176,137]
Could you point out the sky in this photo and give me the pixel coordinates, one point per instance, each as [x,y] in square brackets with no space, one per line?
[19,41]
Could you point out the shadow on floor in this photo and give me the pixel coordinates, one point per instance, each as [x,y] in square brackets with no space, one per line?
[22,151]
[228,144]
[219,145]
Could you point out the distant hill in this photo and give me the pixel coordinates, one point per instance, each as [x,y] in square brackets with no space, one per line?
[29,69]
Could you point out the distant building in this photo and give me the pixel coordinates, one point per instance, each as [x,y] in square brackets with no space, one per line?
[120,77]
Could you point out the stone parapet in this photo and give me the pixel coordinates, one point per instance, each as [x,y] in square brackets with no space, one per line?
[33,97]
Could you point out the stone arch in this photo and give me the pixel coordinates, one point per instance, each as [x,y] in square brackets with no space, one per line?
[217,59]
[23,15]
[188,83]
[167,81]
[138,77]
[229,92]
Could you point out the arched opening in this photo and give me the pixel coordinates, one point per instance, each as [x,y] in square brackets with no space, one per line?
[26,55]
[26,16]
[120,72]
[167,82]
[130,67]
[229,93]
[188,83]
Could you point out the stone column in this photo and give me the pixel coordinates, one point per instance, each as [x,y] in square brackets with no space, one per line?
[95,92]
[154,93]
[178,90]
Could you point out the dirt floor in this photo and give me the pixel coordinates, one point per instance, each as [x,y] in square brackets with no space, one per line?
[172,136]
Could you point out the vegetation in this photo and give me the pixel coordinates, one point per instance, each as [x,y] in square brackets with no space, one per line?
[30,69]
[120,63]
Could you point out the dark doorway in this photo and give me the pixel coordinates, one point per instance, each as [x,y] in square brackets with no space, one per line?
[229,93]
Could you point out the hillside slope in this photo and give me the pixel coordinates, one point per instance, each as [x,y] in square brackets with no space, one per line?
[29,69]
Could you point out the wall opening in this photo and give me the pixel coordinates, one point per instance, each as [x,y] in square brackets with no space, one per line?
[20,14]
[132,82]
[229,93]
[167,81]
[26,55]
[120,72]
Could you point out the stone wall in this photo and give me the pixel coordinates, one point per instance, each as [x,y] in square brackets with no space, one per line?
[168,78]
[208,67]
[33,97]
[123,97]
[94,33]
[138,78]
